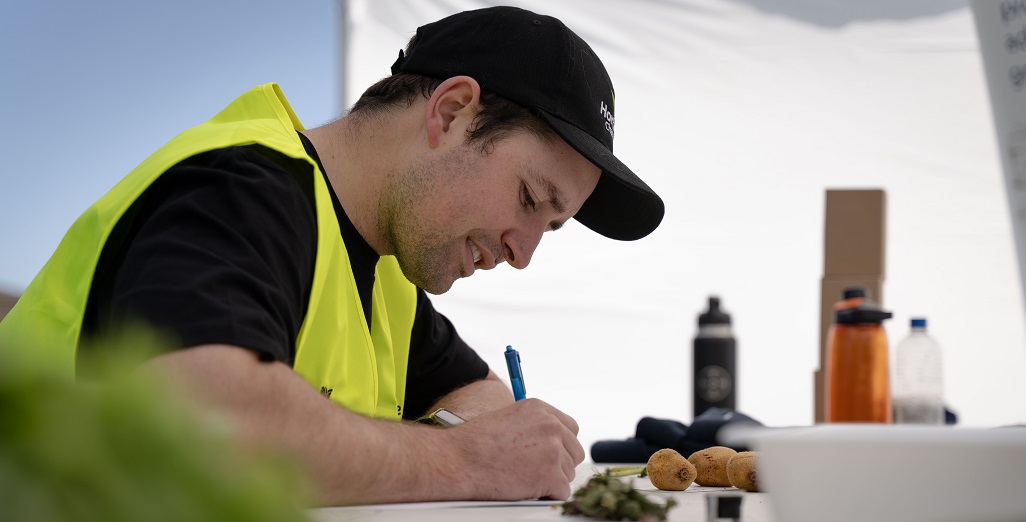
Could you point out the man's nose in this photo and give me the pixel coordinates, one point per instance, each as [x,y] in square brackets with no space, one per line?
[518,247]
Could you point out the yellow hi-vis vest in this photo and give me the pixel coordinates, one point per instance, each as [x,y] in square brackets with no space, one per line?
[363,370]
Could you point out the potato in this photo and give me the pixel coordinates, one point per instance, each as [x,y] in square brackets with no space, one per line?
[711,464]
[670,471]
[742,470]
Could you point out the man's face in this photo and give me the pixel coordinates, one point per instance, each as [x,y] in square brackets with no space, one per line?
[462,209]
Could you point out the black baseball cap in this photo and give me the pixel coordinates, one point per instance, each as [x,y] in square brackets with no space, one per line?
[537,62]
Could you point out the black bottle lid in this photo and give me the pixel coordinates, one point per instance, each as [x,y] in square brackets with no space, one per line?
[714,315]
[865,313]
[854,291]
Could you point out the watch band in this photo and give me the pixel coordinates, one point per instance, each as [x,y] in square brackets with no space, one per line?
[442,417]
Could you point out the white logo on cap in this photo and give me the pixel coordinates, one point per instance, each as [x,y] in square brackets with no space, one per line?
[608,115]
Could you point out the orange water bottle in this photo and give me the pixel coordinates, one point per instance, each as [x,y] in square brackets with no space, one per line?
[858,375]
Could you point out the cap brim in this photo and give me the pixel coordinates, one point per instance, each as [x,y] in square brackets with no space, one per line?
[622,206]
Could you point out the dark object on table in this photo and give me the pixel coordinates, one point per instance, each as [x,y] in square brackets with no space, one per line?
[723,506]
[653,435]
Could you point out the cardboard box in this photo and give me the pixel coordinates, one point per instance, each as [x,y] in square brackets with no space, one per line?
[854,233]
[853,255]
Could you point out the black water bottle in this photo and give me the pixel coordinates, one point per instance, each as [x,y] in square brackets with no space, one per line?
[715,373]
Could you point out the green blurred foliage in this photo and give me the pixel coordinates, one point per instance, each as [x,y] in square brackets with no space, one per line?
[128,449]
[606,497]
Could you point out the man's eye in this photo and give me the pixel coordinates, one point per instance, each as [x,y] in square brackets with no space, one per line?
[528,200]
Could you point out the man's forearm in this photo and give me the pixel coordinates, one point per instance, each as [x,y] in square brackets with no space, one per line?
[350,458]
[353,459]
[471,400]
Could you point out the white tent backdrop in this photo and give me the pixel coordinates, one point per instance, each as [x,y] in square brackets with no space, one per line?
[740,118]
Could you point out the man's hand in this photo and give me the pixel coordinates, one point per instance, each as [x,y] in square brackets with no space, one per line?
[527,450]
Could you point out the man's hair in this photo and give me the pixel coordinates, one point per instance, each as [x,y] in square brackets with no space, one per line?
[498,117]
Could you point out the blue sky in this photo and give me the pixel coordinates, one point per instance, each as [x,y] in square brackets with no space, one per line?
[91,88]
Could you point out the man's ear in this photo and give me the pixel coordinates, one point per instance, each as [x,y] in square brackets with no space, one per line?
[451,109]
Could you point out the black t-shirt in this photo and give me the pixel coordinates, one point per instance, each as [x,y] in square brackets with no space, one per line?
[221,249]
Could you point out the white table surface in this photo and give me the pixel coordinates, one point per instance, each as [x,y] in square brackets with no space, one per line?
[691,506]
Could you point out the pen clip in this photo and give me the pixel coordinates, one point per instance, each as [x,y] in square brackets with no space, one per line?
[516,376]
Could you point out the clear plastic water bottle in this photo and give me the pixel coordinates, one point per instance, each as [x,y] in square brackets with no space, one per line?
[918,381]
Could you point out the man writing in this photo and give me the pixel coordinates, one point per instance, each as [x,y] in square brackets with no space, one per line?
[292,266]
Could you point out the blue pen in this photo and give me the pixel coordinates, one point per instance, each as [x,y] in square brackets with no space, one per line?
[516,377]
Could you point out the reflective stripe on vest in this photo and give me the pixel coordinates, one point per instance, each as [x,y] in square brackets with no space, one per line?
[363,370]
